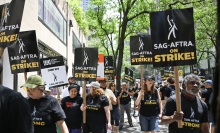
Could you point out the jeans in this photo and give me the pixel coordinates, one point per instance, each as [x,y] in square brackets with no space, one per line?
[115,116]
[149,123]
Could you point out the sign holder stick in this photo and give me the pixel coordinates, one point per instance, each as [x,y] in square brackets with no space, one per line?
[58,94]
[142,77]
[84,101]
[177,89]
[25,76]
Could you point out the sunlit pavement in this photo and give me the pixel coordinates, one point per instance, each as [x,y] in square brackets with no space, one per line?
[136,126]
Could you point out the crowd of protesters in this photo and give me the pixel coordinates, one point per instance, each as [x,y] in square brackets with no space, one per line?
[105,107]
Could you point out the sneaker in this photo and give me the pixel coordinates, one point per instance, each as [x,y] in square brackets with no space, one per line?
[131,125]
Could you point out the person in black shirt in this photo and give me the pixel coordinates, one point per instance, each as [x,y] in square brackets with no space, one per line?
[71,106]
[151,106]
[97,110]
[125,106]
[170,88]
[205,95]
[46,111]
[194,114]
[135,90]
[15,112]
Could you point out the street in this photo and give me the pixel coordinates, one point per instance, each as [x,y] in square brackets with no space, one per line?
[163,128]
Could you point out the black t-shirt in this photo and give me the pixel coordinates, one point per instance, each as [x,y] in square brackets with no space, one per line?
[168,90]
[71,107]
[206,94]
[134,90]
[162,90]
[125,98]
[195,113]
[150,105]
[95,113]
[116,95]
[15,113]
[46,111]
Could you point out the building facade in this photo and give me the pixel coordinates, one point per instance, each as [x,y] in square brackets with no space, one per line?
[57,32]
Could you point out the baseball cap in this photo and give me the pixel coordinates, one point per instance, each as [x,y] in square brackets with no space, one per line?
[208,82]
[103,79]
[71,77]
[33,81]
[95,85]
[149,77]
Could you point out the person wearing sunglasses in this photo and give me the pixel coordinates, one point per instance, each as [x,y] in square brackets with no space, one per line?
[46,111]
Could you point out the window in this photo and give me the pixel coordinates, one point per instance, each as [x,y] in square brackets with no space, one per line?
[50,15]
[76,42]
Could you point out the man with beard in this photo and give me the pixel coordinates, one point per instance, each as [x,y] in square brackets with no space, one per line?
[108,93]
[194,114]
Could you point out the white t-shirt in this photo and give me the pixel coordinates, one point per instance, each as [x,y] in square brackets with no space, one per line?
[109,94]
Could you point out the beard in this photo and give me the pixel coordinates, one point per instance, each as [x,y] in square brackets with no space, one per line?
[192,91]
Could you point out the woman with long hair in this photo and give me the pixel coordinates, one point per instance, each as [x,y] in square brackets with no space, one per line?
[114,111]
[150,106]
[97,110]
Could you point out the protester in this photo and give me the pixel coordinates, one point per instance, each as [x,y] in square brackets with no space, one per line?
[135,90]
[114,111]
[194,114]
[71,106]
[15,112]
[65,91]
[97,110]
[170,90]
[151,106]
[205,95]
[108,93]
[125,105]
[46,111]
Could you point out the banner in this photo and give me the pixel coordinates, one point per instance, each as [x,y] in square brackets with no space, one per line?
[141,49]
[109,69]
[53,71]
[173,37]
[128,74]
[100,68]
[10,16]
[23,54]
[86,61]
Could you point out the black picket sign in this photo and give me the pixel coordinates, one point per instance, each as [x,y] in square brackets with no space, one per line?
[10,16]
[141,49]
[128,74]
[108,65]
[173,37]
[23,54]
[86,61]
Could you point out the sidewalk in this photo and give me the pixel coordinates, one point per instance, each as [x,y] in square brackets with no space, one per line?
[163,128]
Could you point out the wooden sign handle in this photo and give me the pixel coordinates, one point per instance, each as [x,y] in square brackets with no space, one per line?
[84,101]
[177,90]
[142,77]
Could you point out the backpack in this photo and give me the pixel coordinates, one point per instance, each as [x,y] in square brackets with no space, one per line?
[172,91]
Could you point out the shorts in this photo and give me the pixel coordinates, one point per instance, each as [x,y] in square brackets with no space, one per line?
[149,123]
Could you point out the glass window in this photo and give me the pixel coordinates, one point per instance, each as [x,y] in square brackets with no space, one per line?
[76,42]
[51,17]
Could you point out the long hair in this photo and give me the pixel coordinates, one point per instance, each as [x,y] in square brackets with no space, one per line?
[110,85]
[97,92]
[152,90]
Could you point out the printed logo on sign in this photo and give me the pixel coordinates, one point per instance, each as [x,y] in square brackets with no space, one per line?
[46,62]
[192,113]
[5,14]
[54,77]
[141,47]
[21,45]
[106,61]
[172,27]
[86,58]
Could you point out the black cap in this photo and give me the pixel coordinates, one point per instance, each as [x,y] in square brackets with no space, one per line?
[71,77]
[149,77]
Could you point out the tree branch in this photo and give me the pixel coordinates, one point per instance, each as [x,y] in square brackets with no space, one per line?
[136,15]
[183,3]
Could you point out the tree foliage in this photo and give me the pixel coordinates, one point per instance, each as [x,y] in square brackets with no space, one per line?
[115,21]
